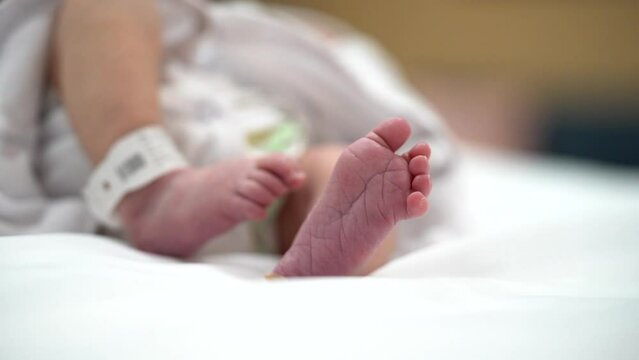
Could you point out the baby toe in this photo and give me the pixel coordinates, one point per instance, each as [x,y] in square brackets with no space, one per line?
[419,149]
[271,182]
[249,209]
[285,168]
[423,184]
[254,191]
[418,165]
[416,204]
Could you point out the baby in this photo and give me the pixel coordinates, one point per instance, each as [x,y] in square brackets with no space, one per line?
[341,203]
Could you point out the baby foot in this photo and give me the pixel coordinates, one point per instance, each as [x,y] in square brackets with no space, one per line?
[370,190]
[181,211]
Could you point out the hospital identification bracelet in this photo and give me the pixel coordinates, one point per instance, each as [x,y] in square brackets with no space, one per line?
[135,160]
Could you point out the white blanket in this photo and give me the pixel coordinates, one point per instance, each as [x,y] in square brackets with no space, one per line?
[563,284]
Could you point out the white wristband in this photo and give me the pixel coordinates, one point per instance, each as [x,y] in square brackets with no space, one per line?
[134,161]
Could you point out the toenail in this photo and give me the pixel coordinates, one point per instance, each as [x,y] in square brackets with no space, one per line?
[298,175]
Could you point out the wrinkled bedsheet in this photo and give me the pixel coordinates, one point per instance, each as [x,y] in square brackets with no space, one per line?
[546,268]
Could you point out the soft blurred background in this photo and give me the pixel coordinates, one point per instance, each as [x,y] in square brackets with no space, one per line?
[558,77]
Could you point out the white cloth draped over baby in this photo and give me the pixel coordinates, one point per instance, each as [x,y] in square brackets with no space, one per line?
[338,86]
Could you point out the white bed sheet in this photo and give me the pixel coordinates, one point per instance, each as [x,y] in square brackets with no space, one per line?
[547,268]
